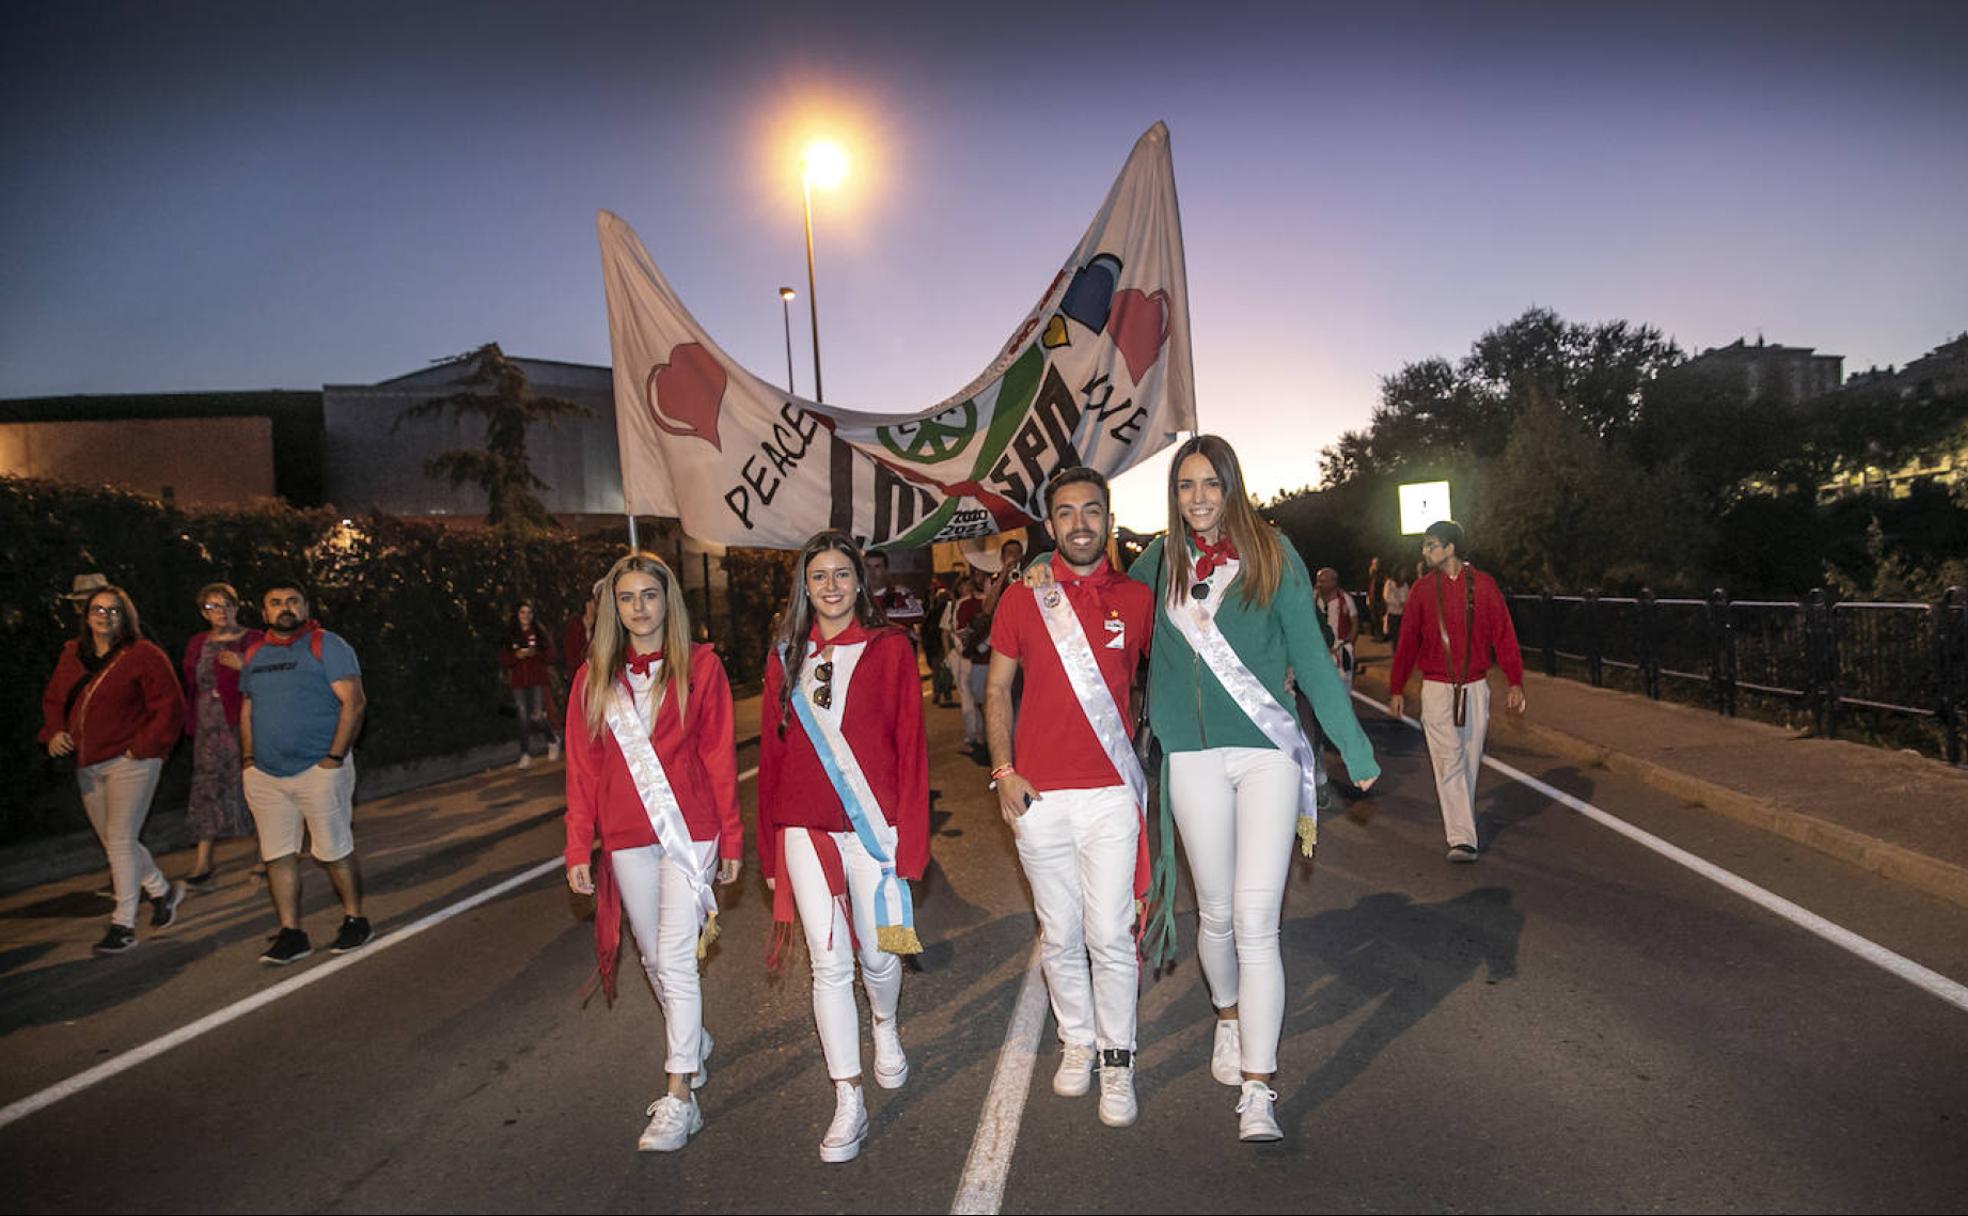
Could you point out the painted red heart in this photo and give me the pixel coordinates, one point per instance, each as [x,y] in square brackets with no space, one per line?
[1139,325]
[685,394]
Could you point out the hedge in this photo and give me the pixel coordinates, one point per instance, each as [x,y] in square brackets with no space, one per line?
[425,607]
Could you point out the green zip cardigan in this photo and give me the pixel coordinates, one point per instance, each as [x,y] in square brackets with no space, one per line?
[1188,706]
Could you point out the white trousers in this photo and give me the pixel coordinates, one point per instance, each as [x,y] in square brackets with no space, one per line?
[972,703]
[831,947]
[663,916]
[1078,848]
[116,796]
[1457,754]
[1237,810]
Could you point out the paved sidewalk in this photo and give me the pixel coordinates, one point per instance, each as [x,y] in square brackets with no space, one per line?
[1895,813]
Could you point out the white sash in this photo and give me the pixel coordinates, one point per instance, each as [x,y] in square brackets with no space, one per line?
[1069,640]
[659,800]
[1197,624]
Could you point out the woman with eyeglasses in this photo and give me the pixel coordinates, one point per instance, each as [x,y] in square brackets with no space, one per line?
[652,771]
[210,675]
[114,706]
[843,813]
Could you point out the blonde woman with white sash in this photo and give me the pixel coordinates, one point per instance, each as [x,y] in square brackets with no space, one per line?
[651,769]
[843,814]
[1235,614]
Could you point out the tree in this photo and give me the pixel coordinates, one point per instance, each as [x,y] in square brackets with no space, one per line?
[497,392]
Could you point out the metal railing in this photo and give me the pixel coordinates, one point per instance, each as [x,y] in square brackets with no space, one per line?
[1831,658]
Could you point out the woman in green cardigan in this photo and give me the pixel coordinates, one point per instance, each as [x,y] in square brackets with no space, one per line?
[1236,617]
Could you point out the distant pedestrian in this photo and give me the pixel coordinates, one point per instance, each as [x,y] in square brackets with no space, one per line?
[652,772]
[898,603]
[528,657]
[302,708]
[1376,605]
[210,671]
[935,647]
[843,814]
[1455,627]
[113,708]
[1394,593]
[970,644]
[1342,620]
[574,638]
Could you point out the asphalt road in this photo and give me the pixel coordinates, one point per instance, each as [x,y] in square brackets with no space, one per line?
[1575,1023]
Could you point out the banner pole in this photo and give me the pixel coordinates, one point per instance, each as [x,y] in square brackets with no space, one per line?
[632,535]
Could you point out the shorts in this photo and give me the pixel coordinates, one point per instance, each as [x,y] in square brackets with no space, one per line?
[320,799]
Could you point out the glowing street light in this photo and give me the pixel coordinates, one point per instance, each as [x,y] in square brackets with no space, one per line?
[826,167]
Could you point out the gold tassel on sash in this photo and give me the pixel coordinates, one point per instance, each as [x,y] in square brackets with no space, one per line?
[1308,834]
[709,935]
[898,939]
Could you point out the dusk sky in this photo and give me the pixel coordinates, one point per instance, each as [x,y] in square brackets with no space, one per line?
[208,196]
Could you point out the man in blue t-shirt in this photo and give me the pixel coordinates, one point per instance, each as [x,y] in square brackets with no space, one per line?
[303,706]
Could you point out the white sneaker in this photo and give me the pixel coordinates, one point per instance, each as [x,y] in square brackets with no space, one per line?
[1075,1075]
[1117,1105]
[1256,1121]
[525,760]
[703,1073]
[672,1122]
[553,752]
[891,1062]
[1227,1053]
[850,1125]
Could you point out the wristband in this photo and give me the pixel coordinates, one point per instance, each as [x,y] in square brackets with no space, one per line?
[1000,773]
[336,758]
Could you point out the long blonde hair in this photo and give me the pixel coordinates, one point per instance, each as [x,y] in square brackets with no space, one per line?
[608,648]
[1260,556]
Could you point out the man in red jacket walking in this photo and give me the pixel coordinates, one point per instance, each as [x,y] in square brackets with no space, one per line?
[1456,622]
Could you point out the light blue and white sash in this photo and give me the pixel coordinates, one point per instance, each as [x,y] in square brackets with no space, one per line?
[895,911]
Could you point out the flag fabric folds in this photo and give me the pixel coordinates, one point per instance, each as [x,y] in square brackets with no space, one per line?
[1098,373]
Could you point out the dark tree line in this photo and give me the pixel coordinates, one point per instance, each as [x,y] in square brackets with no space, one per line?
[1602,455]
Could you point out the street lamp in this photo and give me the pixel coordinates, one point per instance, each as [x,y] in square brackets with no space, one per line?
[786,313]
[825,166]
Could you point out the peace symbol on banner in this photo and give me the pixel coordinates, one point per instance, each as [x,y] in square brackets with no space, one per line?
[932,440]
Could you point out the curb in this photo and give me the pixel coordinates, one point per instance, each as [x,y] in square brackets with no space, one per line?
[1929,875]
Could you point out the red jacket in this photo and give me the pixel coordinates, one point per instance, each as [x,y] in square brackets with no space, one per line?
[1421,636]
[533,670]
[134,705]
[882,721]
[226,679]
[697,755]
[574,644]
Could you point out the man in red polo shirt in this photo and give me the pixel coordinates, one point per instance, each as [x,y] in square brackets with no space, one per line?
[1456,620]
[1072,799]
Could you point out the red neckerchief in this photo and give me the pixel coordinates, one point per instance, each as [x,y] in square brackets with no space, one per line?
[308,626]
[1209,556]
[641,663]
[1064,574]
[855,632]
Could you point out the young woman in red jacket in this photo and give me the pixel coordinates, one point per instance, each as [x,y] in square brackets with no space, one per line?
[652,770]
[528,656]
[114,705]
[843,812]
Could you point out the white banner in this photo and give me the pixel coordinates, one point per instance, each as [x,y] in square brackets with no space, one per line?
[1099,373]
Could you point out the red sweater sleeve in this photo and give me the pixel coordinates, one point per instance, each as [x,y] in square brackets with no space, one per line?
[1503,633]
[911,757]
[772,755]
[1420,619]
[54,698]
[164,704]
[711,734]
[585,756]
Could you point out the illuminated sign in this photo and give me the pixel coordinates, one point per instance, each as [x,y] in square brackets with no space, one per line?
[1422,503]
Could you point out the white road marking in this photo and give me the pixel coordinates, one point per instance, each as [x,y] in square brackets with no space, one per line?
[981,1189]
[1872,952]
[16,1111]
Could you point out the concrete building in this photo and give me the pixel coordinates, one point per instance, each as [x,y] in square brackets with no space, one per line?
[1789,373]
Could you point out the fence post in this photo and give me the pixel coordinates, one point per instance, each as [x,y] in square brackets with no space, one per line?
[1549,619]
[1950,668]
[1649,663]
[1721,653]
[1821,660]
[1594,670]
